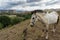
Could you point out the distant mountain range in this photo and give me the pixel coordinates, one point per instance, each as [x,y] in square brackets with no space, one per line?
[18,11]
[53,9]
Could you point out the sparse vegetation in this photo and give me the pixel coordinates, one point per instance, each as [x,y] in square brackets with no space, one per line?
[1,25]
[15,20]
[7,20]
[25,16]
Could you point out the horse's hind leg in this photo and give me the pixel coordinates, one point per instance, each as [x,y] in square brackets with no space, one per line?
[47,28]
[54,28]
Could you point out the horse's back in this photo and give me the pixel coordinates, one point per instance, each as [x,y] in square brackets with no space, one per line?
[52,17]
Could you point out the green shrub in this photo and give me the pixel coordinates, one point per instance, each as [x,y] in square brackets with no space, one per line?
[1,25]
[5,20]
[15,20]
[28,16]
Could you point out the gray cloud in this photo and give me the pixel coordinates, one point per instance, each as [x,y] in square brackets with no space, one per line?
[33,0]
[8,5]
[30,3]
[52,3]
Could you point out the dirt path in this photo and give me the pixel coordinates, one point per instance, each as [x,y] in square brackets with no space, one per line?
[16,32]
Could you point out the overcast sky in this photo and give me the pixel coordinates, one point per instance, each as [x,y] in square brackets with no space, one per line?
[29,4]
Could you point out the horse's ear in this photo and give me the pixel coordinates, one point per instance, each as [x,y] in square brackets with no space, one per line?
[33,12]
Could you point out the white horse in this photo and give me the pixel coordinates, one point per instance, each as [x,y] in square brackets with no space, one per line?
[46,18]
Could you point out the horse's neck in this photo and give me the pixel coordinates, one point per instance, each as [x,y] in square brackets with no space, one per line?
[41,16]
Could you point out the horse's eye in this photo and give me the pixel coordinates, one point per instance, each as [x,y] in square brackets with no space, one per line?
[33,18]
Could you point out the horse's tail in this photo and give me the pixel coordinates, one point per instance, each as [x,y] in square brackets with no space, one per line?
[57,20]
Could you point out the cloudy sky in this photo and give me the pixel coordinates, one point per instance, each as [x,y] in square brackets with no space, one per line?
[29,4]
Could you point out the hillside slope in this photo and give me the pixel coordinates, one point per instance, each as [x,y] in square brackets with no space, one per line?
[16,32]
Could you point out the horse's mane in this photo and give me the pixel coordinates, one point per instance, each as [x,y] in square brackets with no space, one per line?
[41,11]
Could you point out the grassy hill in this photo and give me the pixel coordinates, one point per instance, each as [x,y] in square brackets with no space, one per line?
[16,32]
[13,33]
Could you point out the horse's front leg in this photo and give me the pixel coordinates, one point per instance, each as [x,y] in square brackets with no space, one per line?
[43,30]
[47,28]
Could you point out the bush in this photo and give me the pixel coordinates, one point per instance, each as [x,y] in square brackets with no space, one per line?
[28,16]
[1,25]
[5,20]
[15,20]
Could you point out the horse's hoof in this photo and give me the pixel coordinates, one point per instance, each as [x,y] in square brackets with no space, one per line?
[32,25]
[46,38]
[24,39]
